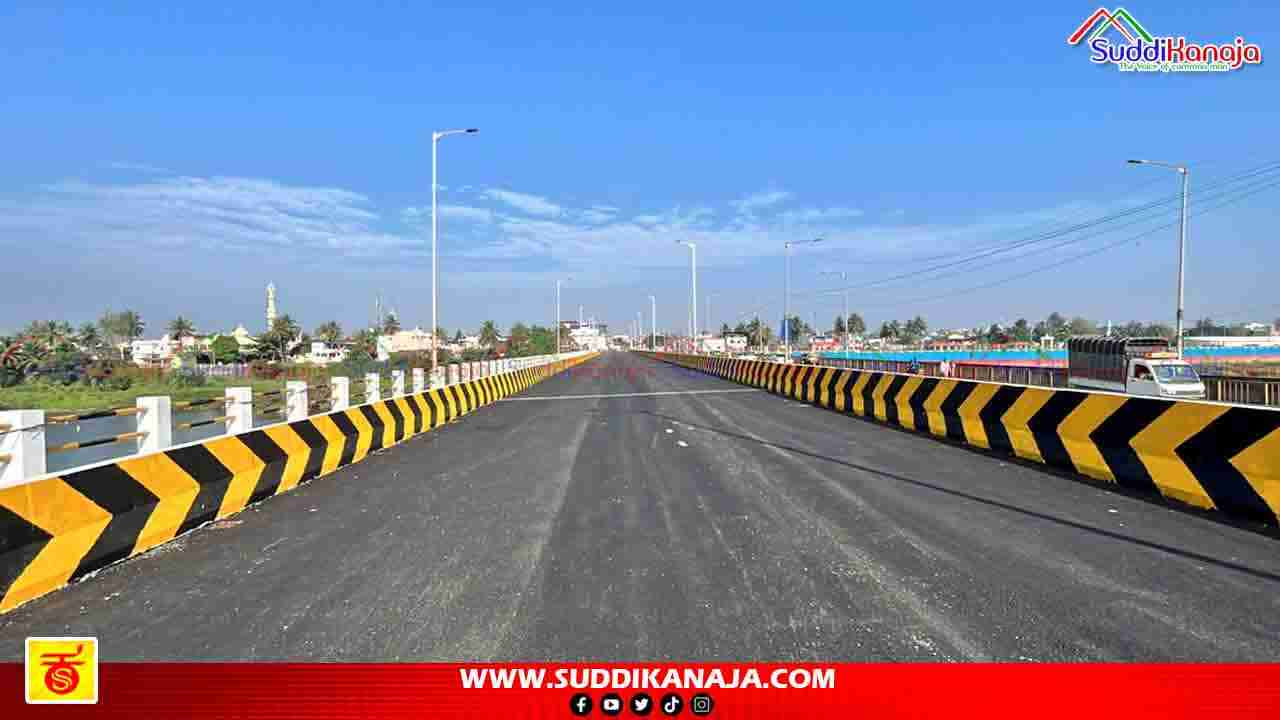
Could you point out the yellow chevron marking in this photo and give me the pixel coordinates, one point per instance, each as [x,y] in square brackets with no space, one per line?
[468,397]
[1258,465]
[441,407]
[246,468]
[842,380]
[424,409]
[74,521]
[824,393]
[298,453]
[364,434]
[933,407]
[1076,428]
[1015,422]
[388,423]
[1155,445]
[454,410]
[859,404]
[974,433]
[336,443]
[410,422]
[907,414]
[174,489]
[877,397]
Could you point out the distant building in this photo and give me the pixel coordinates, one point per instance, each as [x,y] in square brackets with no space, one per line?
[322,353]
[735,342]
[415,340]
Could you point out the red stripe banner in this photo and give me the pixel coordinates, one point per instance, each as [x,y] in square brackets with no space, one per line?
[954,691]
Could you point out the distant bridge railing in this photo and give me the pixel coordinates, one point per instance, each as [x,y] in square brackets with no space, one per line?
[152,422]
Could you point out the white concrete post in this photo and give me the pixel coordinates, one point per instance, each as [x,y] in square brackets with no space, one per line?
[156,420]
[295,394]
[465,371]
[340,392]
[25,448]
[371,382]
[239,410]
[397,383]
[455,373]
[438,377]
[419,381]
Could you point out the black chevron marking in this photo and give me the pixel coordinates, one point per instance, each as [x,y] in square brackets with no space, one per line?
[1044,427]
[130,505]
[1112,440]
[1208,454]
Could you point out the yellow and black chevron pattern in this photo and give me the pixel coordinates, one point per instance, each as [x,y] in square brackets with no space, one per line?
[58,529]
[1209,455]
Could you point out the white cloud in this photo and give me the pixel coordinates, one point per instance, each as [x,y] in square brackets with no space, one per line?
[221,213]
[760,200]
[138,167]
[466,213]
[810,216]
[524,202]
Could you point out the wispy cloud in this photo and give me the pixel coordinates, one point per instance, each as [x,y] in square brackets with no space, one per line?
[524,202]
[758,201]
[139,167]
[810,216]
[225,213]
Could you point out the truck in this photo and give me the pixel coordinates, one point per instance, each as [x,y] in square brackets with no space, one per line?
[1145,366]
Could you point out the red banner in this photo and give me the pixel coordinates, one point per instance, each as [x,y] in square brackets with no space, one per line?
[164,691]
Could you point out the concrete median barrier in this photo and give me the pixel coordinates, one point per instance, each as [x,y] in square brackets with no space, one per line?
[1208,455]
[60,528]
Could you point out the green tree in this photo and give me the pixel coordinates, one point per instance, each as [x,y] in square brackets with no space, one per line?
[488,334]
[181,327]
[855,324]
[225,349]
[132,325]
[1021,330]
[330,332]
[458,337]
[724,329]
[390,324]
[837,327]
[890,330]
[916,327]
[364,344]
[1082,326]
[518,338]
[88,337]
[278,342]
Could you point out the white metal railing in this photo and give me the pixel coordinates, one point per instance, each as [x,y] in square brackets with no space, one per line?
[24,448]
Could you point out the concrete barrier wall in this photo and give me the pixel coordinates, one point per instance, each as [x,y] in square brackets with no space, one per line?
[1208,455]
[60,528]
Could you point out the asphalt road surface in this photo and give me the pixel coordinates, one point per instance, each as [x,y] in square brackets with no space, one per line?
[634,510]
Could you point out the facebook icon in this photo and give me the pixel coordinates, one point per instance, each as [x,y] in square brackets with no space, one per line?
[580,704]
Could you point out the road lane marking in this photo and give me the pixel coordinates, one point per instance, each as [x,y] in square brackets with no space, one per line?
[627,395]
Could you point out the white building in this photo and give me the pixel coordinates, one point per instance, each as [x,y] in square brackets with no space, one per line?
[413,340]
[589,338]
[322,353]
[152,353]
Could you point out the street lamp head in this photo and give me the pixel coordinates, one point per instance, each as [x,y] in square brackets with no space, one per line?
[473,130]
[1136,162]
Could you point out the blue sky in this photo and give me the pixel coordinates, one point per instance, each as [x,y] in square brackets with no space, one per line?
[176,159]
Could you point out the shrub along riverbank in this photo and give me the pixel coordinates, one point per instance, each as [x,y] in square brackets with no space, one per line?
[76,397]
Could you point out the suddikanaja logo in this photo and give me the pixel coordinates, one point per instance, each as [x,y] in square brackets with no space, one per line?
[1116,37]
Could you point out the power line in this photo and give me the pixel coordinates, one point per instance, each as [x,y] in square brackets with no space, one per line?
[1081,256]
[1268,167]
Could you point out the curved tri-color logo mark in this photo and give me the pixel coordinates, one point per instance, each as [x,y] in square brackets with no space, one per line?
[1143,52]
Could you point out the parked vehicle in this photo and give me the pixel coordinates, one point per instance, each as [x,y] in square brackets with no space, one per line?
[1137,366]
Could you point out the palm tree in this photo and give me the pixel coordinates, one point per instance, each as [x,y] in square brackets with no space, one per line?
[181,327]
[390,324]
[131,325]
[88,338]
[330,332]
[488,334]
[283,336]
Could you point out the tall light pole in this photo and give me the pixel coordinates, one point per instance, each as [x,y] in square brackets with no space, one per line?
[557,329]
[711,326]
[786,294]
[844,319]
[435,229]
[693,269]
[653,323]
[1185,172]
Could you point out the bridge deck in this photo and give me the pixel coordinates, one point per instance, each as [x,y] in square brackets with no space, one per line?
[685,525]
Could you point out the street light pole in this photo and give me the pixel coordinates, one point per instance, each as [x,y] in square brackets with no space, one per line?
[435,229]
[1185,172]
[786,295]
[557,328]
[693,269]
[653,323]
